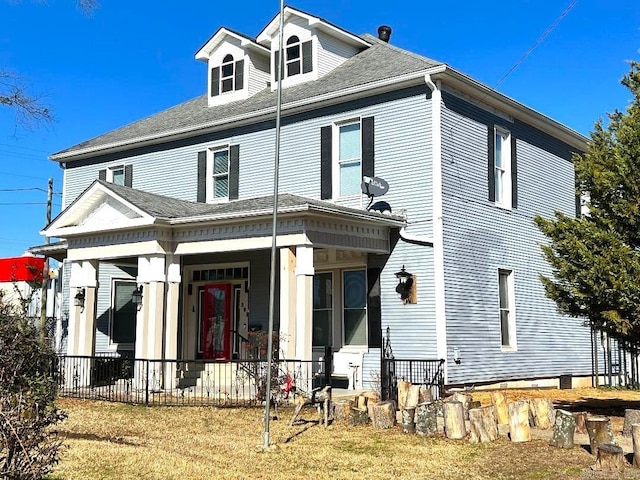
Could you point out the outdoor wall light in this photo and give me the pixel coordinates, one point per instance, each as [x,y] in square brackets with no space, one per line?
[405,283]
[78,300]
[136,297]
[456,355]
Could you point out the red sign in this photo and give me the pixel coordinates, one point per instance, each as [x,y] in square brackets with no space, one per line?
[21,269]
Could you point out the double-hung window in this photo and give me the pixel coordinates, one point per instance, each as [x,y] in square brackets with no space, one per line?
[503,168]
[502,162]
[349,159]
[118,175]
[227,76]
[219,178]
[115,175]
[354,307]
[507,309]
[346,155]
[123,313]
[322,309]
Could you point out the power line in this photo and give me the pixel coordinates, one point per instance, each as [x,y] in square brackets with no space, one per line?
[22,176]
[20,147]
[537,42]
[25,189]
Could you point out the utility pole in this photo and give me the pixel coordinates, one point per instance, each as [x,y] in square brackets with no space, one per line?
[45,272]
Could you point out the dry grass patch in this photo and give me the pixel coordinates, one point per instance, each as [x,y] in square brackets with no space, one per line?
[115,441]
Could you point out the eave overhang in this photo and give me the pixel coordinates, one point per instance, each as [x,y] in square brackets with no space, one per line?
[221,35]
[446,74]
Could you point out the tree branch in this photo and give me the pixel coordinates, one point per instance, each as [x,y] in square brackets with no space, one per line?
[31,110]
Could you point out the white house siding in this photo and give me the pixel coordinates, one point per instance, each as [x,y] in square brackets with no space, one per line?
[331,53]
[480,238]
[259,73]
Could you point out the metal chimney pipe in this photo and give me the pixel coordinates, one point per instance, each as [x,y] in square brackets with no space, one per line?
[384,33]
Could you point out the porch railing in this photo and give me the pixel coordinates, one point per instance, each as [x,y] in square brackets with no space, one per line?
[181,382]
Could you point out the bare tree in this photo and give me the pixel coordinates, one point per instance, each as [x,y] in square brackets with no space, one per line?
[31,109]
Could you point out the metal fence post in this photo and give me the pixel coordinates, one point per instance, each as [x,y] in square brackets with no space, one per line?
[146,384]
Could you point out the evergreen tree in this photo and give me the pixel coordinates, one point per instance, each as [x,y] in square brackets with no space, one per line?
[596,258]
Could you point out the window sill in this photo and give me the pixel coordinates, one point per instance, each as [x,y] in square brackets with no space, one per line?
[508,208]
[218,200]
[508,349]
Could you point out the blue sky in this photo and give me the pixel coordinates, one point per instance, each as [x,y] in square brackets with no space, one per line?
[134,58]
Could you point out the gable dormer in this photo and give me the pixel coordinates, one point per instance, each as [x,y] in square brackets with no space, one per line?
[238,67]
[312,47]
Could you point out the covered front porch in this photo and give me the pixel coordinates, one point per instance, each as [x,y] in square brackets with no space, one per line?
[186,284]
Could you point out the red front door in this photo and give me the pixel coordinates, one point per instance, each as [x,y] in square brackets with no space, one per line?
[216,322]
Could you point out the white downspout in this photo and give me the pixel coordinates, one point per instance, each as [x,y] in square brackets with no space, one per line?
[438,235]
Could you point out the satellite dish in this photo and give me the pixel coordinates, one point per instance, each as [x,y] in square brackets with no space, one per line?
[374,186]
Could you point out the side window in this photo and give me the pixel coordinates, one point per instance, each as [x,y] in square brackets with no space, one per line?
[506,296]
[123,313]
[503,189]
[348,156]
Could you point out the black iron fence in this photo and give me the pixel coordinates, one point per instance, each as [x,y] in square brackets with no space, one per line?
[182,382]
[427,372]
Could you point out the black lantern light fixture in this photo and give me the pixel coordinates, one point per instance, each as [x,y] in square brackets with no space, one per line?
[78,300]
[136,297]
[405,282]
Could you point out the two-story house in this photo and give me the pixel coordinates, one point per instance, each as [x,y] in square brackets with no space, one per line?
[175,211]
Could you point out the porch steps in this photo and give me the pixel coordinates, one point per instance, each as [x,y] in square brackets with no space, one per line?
[189,374]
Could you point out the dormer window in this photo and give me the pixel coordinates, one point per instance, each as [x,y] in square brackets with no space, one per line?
[228,77]
[298,57]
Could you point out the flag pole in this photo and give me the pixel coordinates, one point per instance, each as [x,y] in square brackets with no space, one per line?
[272,279]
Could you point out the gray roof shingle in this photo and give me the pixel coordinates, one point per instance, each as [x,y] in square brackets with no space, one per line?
[379,62]
[167,208]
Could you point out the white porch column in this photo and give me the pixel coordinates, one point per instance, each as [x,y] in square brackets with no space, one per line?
[151,275]
[288,302]
[82,322]
[304,302]
[171,318]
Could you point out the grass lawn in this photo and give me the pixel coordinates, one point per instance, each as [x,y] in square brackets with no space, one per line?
[116,441]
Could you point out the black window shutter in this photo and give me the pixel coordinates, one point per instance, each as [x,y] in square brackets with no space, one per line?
[368,153]
[326,177]
[215,81]
[514,173]
[491,172]
[128,175]
[276,65]
[234,171]
[307,57]
[102,174]
[202,177]
[374,310]
[239,73]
